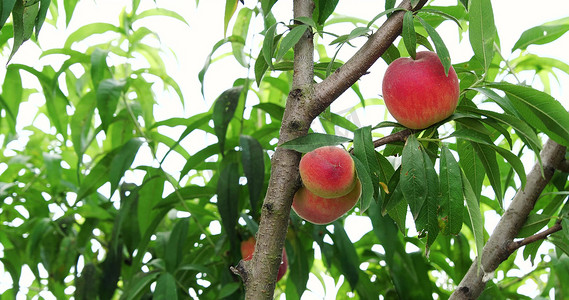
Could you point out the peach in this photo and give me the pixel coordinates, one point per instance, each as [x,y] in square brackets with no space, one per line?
[417,92]
[319,210]
[328,171]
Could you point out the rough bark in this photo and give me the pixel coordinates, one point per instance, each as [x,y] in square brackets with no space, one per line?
[305,102]
[501,243]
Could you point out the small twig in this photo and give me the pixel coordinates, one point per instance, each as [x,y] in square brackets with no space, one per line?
[399,136]
[240,270]
[564,166]
[513,246]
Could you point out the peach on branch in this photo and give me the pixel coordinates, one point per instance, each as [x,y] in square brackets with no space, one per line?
[328,171]
[417,92]
[319,210]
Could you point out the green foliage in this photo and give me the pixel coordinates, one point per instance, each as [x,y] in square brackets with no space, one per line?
[88,200]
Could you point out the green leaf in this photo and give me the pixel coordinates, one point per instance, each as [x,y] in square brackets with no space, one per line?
[339,121]
[108,95]
[539,110]
[5,9]
[89,30]
[12,95]
[228,289]
[232,39]
[97,176]
[409,35]
[565,226]
[290,39]
[488,158]
[230,8]
[274,110]
[260,68]
[267,5]
[52,163]
[468,160]
[312,141]
[199,158]
[387,12]
[533,224]
[241,28]
[307,21]
[174,252]
[138,284]
[427,221]
[482,31]
[159,12]
[349,260]
[122,161]
[300,256]
[512,159]
[523,130]
[391,54]
[324,9]
[269,41]
[223,111]
[166,288]
[543,34]
[149,195]
[413,175]
[87,284]
[452,201]
[252,158]
[44,6]
[475,216]
[99,68]
[368,188]
[192,123]
[442,50]
[189,192]
[365,152]
[69,8]
[228,198]
[24,19]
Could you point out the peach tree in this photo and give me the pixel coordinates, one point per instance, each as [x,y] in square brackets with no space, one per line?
[102,199]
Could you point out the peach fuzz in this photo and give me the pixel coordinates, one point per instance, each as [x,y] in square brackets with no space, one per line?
[318,210]
[328,171]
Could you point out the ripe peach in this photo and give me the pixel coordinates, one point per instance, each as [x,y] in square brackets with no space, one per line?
[417,92]
[328,171]
[247,249]
[319,210]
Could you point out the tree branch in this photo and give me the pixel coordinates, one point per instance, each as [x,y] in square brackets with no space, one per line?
[304,103]
[513,246]
[260,273]
[497,249]
[399,136]
[564,166]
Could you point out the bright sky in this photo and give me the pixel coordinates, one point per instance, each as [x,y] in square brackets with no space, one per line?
[190,46]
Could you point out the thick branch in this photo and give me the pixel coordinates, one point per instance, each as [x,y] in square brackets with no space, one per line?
[497,249]
[260,273]
[513,246]
[344,77]
[304,103]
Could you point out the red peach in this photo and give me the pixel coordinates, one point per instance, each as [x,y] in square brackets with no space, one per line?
[328,171]
[417,92]
[318,210]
